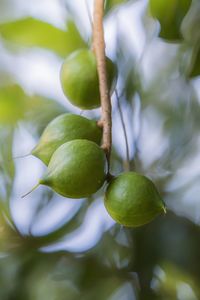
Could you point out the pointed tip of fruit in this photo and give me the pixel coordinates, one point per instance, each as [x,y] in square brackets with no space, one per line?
[33,189]
[164,209]
[44,181]
[34,151]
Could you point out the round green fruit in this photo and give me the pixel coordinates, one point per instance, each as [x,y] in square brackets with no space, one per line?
[79,79]
[76,169]
[170,14]
[133,200]
[62,129]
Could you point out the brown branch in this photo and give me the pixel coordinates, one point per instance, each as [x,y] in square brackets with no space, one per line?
[99,50]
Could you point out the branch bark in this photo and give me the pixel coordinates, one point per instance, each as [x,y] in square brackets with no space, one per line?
[99,50]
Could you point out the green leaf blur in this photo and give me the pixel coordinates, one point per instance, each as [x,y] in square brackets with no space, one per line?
[12,104]
[29,32]
[111,4]
[170,14]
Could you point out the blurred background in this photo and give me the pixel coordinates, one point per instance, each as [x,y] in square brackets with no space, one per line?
[53,248]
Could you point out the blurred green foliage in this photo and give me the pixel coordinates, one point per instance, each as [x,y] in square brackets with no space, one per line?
[195,66]
[30,32]
[110,4]
[157,261]
[170,15]
[12,110]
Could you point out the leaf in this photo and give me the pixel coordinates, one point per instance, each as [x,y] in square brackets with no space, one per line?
[111,4]
[170,15]
[12,104]
[59,232]
[191,23]
[12,110]
[40,111]
[7,170]
[30,32]
[195,69]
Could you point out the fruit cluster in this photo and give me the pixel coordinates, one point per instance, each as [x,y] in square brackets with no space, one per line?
[77,165]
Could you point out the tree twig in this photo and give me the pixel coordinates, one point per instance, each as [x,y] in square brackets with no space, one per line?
[99,50]
[89,13]
[127,162]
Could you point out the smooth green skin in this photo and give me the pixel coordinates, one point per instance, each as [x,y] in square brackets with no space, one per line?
[132,200]
[76,169]
[62,129]
[170,14]
[79,79]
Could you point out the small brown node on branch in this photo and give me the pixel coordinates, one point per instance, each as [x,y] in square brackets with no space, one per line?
[100,123]
[105,148]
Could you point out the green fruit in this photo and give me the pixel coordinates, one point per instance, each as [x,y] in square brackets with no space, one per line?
[133,200]
[62,129]
[79,79]
[170,14]
[76,169]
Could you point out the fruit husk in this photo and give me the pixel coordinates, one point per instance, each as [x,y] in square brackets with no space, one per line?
[132,200]
[79,79]
[76,169]
[62,129]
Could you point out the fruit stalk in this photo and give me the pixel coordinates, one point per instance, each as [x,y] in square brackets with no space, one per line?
[126,163]
[99,50]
